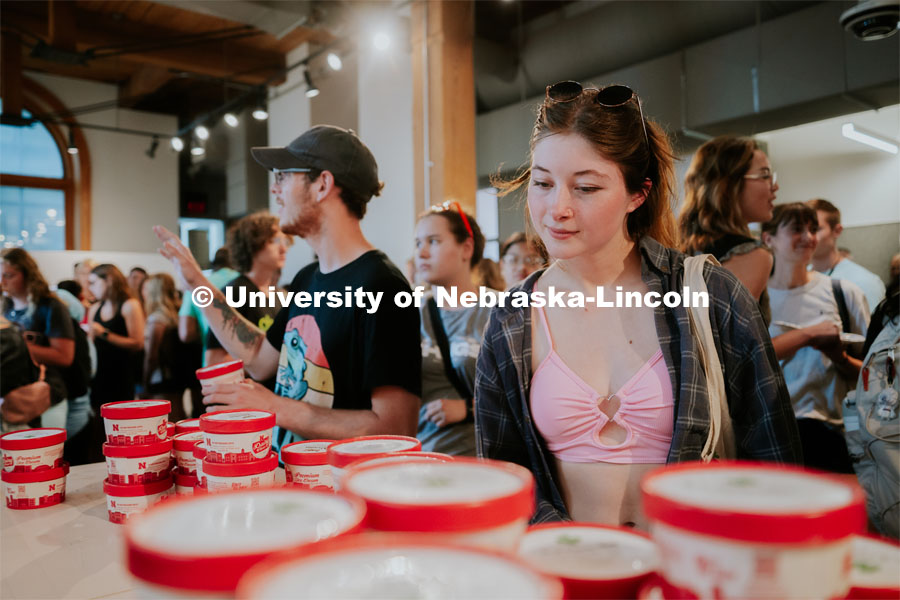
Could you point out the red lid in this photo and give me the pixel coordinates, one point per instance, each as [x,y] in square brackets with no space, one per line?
[137,451]
[170,428]
[29,439]
[340,458]
[368,542]
[186,425]
[213,573]
[135,409]
[185,480]
[237,421]
[220,369]
[185,442]
[448,516]
[253,467]
[772,527]
[397,456]
[199,449]
[306,452]
[35,476]
[138,489]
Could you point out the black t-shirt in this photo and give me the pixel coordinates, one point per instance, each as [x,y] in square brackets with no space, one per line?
[335,357]
[49,319]
[15,361]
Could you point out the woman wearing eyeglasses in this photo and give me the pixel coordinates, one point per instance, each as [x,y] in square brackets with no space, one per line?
[519,258]
[449,244]
[729,185]
[591,399]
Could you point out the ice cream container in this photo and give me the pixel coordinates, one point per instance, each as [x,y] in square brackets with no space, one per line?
[170,429]
[35,489]
[592,561]
[876,568]
[184,484]
[186,425]
[32,449]
[344,452]
[199,455]
[236,436]
[130,465]
[395,566]
[205,543]
[740,530]
[183,444]
[135,422]
[220,477]
[469,501]
[306,464]
[399,456]
[125,501]
[226,372]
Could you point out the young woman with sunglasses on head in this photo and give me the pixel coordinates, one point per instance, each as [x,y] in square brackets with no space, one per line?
[449,244]
[590,399]
[729,185]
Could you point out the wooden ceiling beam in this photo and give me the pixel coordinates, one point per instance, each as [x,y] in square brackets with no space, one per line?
[11,74]
[61,25]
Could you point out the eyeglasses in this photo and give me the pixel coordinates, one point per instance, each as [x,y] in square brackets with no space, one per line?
[773,176]
[528,261]
[612,96]
[279,173]
[462,215]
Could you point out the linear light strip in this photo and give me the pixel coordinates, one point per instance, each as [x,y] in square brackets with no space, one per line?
[851,132]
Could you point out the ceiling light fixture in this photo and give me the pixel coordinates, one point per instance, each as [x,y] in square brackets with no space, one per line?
[260,113]
[231,119]
[177,144]
[72,148]
[151,151]
[311,90]
[202,132]
[334,61]
[197,150]
[857,134]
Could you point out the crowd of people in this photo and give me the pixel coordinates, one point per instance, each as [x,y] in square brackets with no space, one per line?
[588,399]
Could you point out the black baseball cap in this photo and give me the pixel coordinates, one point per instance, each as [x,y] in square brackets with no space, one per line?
[327,148]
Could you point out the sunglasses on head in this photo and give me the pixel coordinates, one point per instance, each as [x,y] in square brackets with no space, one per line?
[462,215]
[612,96]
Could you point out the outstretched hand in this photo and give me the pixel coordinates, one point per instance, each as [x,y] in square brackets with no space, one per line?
[186,268]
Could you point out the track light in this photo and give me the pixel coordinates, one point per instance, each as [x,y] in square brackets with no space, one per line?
[335,62]
[72,148]
[311,90]
[260,113]
[869,138]
[231,119]
[197,150]
[202,132]
[151,151]
[177,144]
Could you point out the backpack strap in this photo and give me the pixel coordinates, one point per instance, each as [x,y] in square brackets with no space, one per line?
[440,336]
[841,304]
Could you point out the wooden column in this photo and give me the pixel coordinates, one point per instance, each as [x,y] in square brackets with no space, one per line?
[444,102]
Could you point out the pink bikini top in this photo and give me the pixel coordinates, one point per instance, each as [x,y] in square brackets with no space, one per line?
[566,412]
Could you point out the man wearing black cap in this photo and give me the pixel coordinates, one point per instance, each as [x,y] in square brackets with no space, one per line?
[357,370]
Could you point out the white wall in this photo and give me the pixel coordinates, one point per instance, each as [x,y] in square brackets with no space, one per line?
[130,192]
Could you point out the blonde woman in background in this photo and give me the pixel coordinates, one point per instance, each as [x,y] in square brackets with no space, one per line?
[161,339]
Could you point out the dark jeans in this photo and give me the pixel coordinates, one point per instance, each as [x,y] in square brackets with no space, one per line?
[824,446]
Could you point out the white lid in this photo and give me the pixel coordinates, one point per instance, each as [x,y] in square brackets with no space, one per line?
[766,491]
[403,572]
[876,564]
[243,523]
[307,447]
[375,446]
[236,415]
[31,434]
[586,552]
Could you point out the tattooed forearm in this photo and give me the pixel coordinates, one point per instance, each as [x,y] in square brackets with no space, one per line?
[239,328]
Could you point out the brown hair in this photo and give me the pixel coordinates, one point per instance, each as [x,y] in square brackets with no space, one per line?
[617,133]
[355,203]
[34,280]
[458,229]
[117,290]
[161,295]
[790,214]
[712,190]
[248,236]
[832,212]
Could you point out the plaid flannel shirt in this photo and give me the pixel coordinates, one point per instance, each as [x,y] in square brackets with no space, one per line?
[764,424]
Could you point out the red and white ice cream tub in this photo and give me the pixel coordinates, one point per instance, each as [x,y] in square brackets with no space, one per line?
[131,465]
[226,372]
[341,454]
[39,449]
[203,545]
[876,568]
[125,501]
[183,444]
[753,530]
[136,422]
[184,484]
[170,429]
[35,489]
[221,477]
[592,561]
[484,503]
[398,457]
[199,455]
[306,464]
[186,425]
[237,436]
[394,566]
